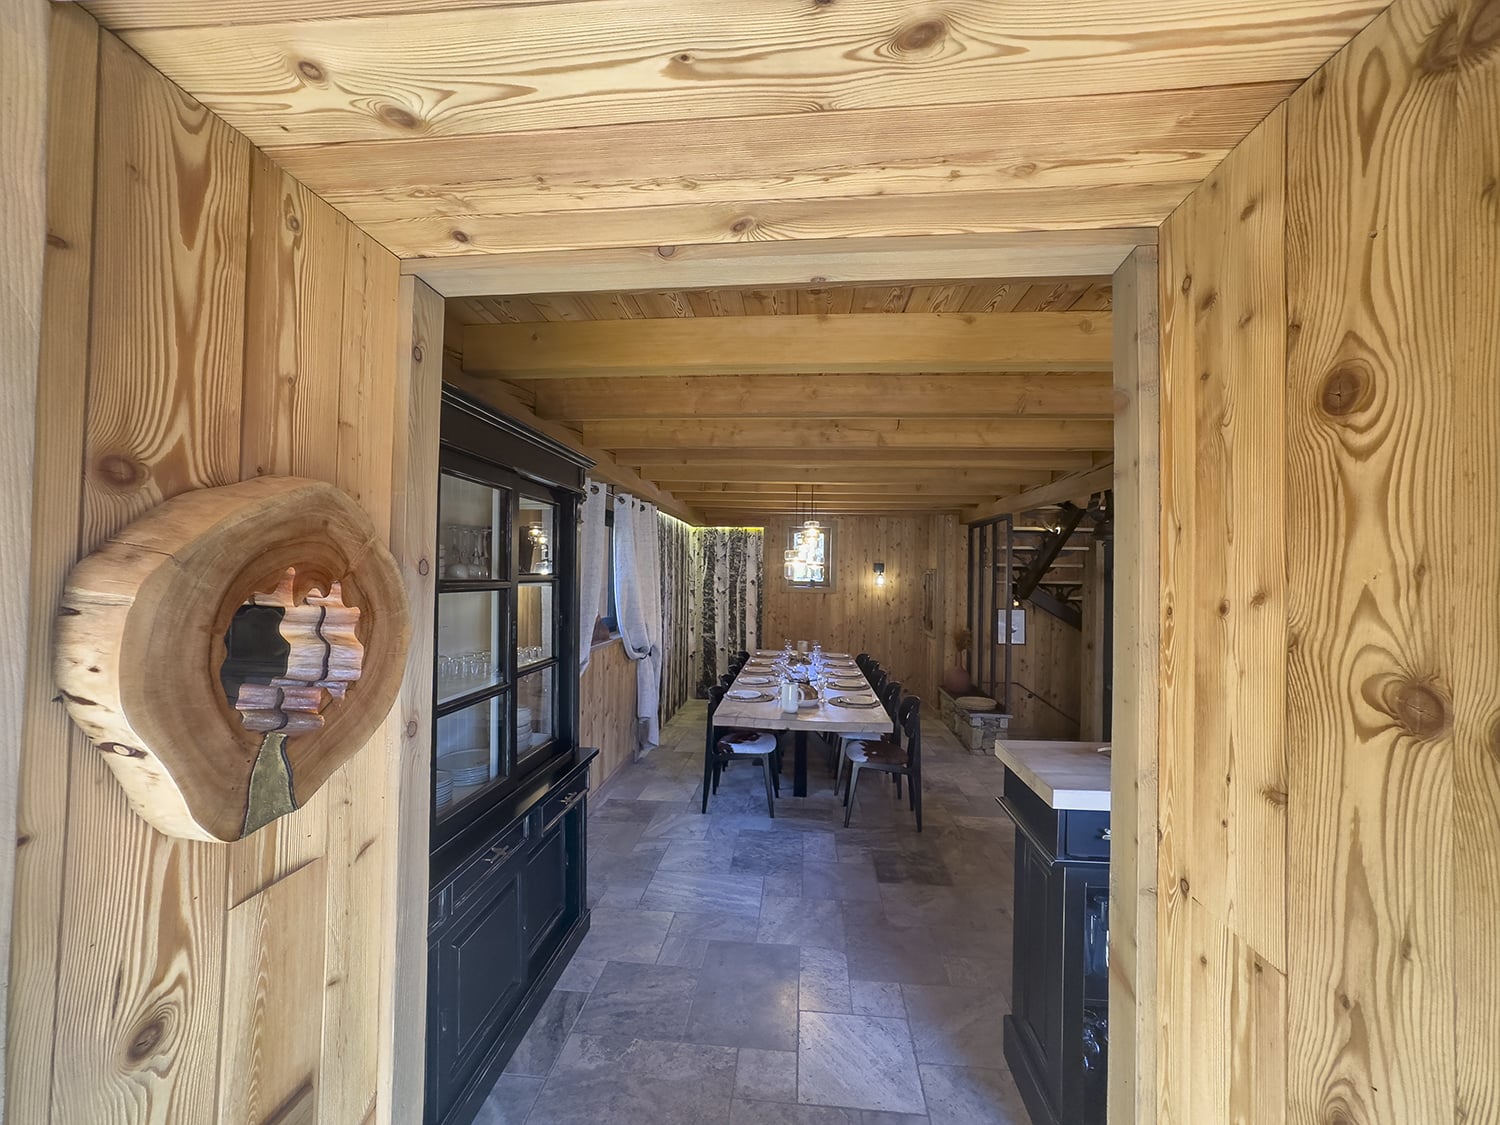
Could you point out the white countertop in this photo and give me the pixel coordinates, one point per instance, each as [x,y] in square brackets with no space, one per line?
[1067,775]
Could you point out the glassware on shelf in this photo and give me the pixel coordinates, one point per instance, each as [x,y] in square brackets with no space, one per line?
[465,551]
[463,671]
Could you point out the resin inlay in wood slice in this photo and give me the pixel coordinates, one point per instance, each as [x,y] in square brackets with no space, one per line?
[231,649]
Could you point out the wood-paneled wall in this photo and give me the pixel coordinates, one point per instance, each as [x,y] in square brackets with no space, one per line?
[1046,674]
[606,709]
[858,616]
[1330,792]
[207,319]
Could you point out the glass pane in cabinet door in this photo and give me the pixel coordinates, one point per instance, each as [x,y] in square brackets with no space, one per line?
[535,537]
[470,752]
[536,711]
[471,520]
[535,625]
[470,630]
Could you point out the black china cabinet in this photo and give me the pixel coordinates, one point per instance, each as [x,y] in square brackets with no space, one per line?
[507,906]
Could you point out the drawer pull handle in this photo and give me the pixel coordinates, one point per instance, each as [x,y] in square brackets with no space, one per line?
[572,800]
[1104,834]
[499,854]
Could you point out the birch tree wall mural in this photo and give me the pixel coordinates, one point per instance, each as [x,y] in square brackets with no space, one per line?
[726,568]
[679,667]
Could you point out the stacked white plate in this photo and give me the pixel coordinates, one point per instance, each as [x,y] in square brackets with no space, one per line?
[444,788]
[467,767]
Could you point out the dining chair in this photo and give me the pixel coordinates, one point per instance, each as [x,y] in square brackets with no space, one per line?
[879,680]
[890,699]
[720,749]
[862,662]
[891,757]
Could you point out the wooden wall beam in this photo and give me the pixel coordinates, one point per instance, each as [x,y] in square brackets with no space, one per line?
[1074,487]
[414,469]
[732,345]
[999,434]
[788,262]
[29,207]
[1087,395]
[1135,1022]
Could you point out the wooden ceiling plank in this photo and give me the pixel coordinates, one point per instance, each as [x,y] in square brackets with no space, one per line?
[936,214]
[793,473]
[912,342]
[1084,394]
[1074,487]
[771,264]
[816,458]
[126,15]
[595,62]
[883,433]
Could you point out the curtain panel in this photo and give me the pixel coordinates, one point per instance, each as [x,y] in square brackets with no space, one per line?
[593,559]
[727,576]
[638,601]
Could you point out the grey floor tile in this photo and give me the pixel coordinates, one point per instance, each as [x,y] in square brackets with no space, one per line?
[854,879]
[581,974]
[823,985]
[876,998]
[685,952]
[767,853]
[959,1095]
[819,847]
[801,921]
[620,934]
[904,954]
[544,1041]
[510,1101]
[716,927]
[773,1113]
[784,884]
[955,1026]
[644,1001]
[875,1117]
[766,1076]
[623,1081]
[859,1062]
[746,997]
[718,893]
[975,972]
[893,867]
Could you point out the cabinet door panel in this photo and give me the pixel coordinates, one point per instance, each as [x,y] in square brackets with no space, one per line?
[482,974]
[546,891]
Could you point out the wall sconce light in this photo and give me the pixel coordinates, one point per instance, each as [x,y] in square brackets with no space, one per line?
[880,574]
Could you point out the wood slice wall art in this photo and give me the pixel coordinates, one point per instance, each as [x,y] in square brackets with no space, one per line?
[233,648]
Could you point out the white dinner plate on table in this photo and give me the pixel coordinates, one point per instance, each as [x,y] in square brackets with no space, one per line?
[746,695]
[854,701]
[852,685]
[755,679]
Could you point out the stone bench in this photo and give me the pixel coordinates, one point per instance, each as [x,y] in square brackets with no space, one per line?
[976,730]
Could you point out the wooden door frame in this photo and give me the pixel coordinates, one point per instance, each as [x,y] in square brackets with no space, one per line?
[1127,254]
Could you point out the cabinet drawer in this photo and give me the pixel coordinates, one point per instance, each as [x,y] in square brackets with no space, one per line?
[558,803]
[1086,835]
[491,858]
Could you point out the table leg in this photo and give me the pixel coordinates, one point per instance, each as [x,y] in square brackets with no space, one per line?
[799,767]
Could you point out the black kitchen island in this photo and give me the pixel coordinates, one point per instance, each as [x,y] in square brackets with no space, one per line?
[1057,1033]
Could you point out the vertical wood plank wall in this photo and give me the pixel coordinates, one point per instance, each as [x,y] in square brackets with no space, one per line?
[606,709]
[858,616]
[1330,789]
[1046,673]
[207,319]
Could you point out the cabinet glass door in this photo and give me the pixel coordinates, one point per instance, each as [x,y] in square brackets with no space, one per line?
[536,627]
[473,671]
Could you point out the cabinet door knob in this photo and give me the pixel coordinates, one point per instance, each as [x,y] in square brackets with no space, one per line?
[498,854]
[1104,834]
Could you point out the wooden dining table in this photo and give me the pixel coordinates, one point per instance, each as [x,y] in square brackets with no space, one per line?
[823,717]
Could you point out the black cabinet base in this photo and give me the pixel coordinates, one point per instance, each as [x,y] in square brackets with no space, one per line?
[467,1104]
[1028,1071]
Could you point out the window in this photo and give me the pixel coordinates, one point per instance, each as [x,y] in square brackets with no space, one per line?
[609,623]
[808,561]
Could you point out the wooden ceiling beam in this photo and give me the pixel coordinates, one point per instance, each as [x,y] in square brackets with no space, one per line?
[695,459]
[1001,434]
[1156,136]
[1084,394]
[605,469]
[806,260]
[828,476]
[567,65]
[1075,487]
[912,342]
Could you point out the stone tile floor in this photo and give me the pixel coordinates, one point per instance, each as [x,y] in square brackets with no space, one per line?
[747,971]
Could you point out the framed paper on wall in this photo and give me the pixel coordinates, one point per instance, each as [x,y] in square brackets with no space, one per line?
[1017,626]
